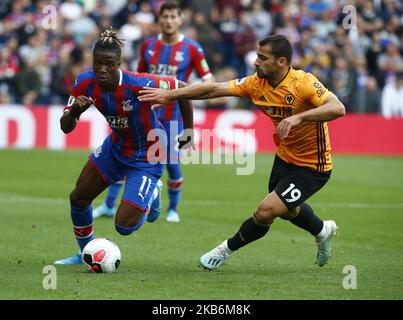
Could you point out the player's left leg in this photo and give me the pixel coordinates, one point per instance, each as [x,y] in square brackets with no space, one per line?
[251,230]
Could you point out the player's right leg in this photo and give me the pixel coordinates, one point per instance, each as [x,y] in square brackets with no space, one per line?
[89,185]
[251,230]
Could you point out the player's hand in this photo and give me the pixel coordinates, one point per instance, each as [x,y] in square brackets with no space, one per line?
[284,127]
[186,140]
[158,97]
[81,104]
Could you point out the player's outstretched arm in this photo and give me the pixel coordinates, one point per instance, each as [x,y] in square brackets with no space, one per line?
[69,119]
[199,91]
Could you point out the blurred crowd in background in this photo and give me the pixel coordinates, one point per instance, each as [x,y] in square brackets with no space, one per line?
[357,56]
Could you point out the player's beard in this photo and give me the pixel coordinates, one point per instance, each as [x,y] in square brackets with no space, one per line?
[269,75]
[263,75]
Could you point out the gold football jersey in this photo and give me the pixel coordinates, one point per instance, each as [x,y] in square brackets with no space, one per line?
[308,143]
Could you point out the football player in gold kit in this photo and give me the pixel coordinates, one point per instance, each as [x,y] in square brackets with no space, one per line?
[299,106]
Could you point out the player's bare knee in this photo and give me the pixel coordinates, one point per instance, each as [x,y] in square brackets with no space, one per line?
[123,222]
[127,225]
[124,228]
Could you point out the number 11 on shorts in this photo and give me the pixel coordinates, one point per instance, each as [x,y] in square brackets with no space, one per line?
[143,193]
[295,193]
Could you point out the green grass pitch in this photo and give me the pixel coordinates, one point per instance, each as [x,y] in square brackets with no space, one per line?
[160,261]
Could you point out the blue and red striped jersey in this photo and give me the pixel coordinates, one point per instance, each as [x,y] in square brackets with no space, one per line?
[129,119]
[176,60]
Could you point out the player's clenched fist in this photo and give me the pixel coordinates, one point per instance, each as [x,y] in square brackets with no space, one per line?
[82,103]
[79,105]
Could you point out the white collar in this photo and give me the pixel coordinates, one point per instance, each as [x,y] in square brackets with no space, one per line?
[120,77]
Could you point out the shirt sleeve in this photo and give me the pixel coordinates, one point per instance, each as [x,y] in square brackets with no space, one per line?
[242,87]
[313,91]
[199,63]
[166,83]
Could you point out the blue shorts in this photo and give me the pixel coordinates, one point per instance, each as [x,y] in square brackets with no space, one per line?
[141,177]
[174,129]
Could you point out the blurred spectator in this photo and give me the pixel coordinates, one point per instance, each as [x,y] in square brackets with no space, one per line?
[317,7]
[371,97]
[122,16]
[366,95]
[390,62]
[228,26]
[81,27]
[61,79]
[204,7]
[208,37]
[343,82]
[245,40]
[131,32]
[5,97]
[28,83]
[259,19]
[70,10]
[33,49]
[392,98]
[8,70]
[234,4]
[388,34]
[325,25]
[145,15]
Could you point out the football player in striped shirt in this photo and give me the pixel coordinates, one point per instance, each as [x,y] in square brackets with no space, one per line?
[128,151]
[169,53]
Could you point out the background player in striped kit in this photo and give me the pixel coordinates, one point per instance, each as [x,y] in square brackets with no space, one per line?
[126,152]
[168,54]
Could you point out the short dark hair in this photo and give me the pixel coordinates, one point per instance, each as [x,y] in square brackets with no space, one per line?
[109,41]
[169,5]
[280,46]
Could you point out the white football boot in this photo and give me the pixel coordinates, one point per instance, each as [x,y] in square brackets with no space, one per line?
[216,257]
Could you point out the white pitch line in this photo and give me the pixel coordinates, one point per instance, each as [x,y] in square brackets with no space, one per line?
[348,205]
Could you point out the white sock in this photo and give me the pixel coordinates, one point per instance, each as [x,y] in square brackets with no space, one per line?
[225,244]
[322,233]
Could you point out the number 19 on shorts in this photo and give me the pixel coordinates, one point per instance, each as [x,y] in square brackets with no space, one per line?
[293,192]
